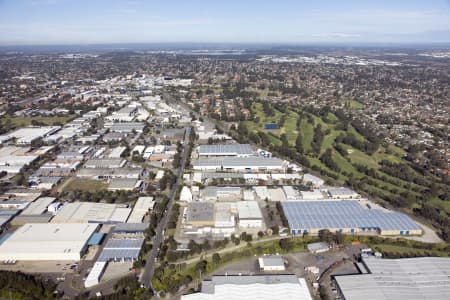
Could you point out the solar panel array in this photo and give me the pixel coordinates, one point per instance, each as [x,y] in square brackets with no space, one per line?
[343,214]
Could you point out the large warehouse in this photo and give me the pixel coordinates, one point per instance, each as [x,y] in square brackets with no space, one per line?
[346,217]
[239,164]
[90,212]
[47,242]
[238,150]
[250,215]
[281,287]
[398,279]
[26,135]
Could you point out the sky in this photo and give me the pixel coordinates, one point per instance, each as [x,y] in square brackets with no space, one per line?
[59,22]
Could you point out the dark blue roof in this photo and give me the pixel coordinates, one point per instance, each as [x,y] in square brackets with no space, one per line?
[271,126]
[96,238]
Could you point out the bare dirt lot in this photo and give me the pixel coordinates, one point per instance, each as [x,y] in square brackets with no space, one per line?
[44,266]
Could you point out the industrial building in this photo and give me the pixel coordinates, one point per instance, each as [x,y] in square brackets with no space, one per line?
[121,249]
[89,212]
[117,152]
[290,193]
[262,192]
[109,173]
[280,287]
[125,114]
[223,216]
[27,135]
[200,214]
[13,159]
[124,184]
[249,213]
[239,164]
[141,208]
[312,180]
[131,228]
[346,217]
[315,194]
[236,150]
[223,193]
[271,263]
[126,127]
[38,206]
[186,194]
[398,279]
[342,193]
[319,247]
[105,163]
[118,250]
[47,242]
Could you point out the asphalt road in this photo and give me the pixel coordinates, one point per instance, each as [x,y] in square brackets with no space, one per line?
[149,269]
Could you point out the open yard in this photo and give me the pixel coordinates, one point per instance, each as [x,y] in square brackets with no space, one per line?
[26,121]
[85,185]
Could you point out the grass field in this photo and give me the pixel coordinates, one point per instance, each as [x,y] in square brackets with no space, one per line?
[26,121]
[85,185]
[290,127]
[352,104]
[307,134]
[444,205]
[328,140]
[389,187]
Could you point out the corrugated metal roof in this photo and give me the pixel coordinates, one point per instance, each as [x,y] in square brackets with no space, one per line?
[399,279]
[225,149]
[343,214]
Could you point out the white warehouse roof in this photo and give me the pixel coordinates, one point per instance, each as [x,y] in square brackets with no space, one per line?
[47,242]
[84,212]
[225,150]
[39,206]
[249,210]
[399,279]
[280,287]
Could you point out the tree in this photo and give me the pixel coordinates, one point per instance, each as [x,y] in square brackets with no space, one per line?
[299,143]
[326,236]
[339,238]
[286,244]
[216,259]
[317,139]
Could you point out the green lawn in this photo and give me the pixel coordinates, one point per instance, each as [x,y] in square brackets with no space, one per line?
[352,104]
[258,109]
[85,185]
[26,121]
[328,140]
[353,131]
[344,164]
[307,134]
[290,127]
[355,156]
[332,117]
[444,205]
[359,157]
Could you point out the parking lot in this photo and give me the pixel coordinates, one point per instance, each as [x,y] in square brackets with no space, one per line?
[296,265]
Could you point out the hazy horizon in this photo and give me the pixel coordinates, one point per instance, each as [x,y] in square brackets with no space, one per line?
[100,22]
